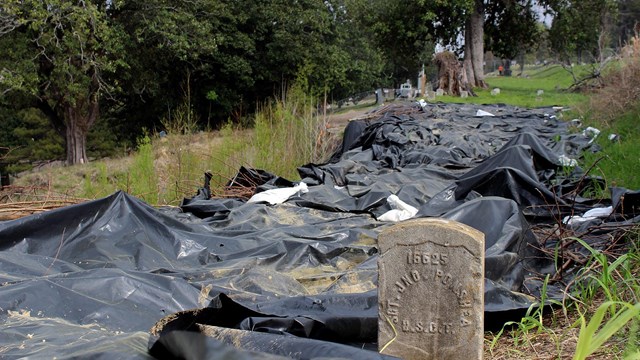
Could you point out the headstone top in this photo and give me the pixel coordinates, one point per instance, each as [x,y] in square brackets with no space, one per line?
[385,242]
[430,290]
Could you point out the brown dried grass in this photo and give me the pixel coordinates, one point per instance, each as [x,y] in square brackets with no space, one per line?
[621,86]
[19,201]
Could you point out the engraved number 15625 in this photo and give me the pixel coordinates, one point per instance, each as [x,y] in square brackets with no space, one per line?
[427,258]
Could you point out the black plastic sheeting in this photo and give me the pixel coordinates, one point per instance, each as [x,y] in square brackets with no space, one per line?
[117,278]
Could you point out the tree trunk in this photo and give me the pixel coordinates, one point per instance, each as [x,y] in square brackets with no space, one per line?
[452,77]
[474,46]
[76,139]
[467,62]
[78,120]
[521,60]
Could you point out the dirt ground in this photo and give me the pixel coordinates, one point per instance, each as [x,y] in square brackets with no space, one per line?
[340,119]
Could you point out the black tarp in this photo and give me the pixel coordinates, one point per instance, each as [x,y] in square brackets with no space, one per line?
[115,277]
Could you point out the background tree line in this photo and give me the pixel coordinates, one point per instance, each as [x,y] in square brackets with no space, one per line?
[79,77]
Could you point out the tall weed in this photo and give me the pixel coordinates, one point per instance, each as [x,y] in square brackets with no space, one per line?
[289,133]
[182,120]
[142,180]
[225,160]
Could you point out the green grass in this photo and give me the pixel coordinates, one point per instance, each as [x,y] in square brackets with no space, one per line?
[619,160]
[553,80]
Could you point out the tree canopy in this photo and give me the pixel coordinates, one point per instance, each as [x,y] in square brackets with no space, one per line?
[581,28]
[131,63]
[511,28]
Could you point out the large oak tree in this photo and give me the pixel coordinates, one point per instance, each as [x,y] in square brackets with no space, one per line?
[58,52]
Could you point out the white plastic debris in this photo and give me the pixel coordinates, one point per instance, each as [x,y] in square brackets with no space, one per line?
[613,137]
[400,210]
[591,132]
[278,196]
[589,215]
[483,113]
[495,92]
[423,104]
[576,122]
[567,161]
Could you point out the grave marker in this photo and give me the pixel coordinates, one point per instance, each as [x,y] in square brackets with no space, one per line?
[430,290]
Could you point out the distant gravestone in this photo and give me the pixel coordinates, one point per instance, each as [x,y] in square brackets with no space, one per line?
[439,92]
[431,95]
[430,290]
[464,94]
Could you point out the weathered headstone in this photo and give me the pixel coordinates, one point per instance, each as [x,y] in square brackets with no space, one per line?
[464,94]
[430,290]
[431,95]
[440,92]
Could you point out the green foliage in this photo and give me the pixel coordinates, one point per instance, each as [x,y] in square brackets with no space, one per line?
[235,53]
[578,26]
[628,13]
[511,28]
[32,139]
[102,140]
[404,32]
[61,51]
[212,95]
[591,339]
